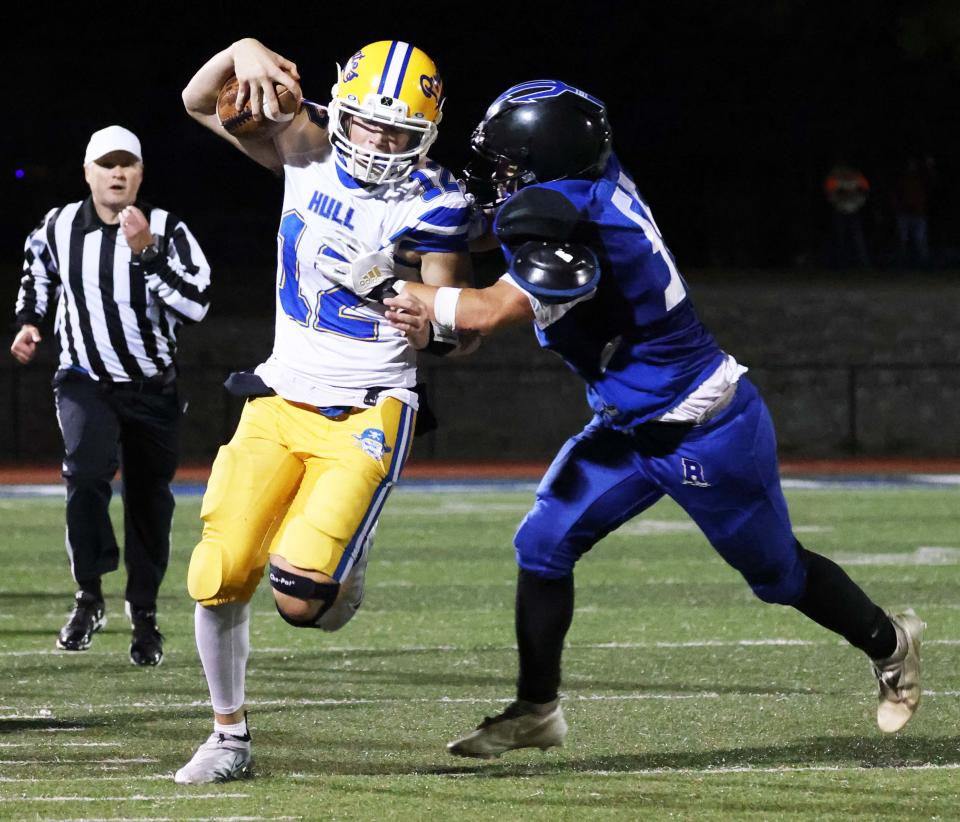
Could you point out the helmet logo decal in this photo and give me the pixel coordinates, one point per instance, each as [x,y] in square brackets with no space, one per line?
[351,71]
[431,87]
[542,90]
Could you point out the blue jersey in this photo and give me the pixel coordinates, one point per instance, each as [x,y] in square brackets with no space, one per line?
[636,339]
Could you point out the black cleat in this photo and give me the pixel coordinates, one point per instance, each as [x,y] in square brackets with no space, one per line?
[146,642]
[85,620]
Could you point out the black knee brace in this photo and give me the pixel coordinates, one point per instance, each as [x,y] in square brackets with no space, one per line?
[301,587]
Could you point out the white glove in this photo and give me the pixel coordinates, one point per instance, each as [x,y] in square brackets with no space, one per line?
[361,272]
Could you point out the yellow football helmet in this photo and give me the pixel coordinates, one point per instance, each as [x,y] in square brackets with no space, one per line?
[393,84]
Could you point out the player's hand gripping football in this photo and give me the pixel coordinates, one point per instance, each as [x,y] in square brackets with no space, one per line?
[257,69]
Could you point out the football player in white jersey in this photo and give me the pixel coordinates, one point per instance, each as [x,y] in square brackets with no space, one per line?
[329,417]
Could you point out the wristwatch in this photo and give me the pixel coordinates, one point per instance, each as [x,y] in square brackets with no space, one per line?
[150,254]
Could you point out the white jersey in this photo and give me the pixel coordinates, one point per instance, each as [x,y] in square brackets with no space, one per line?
[331,347]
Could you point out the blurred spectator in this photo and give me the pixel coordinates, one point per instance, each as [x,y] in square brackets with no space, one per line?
[911,195]
[847,190]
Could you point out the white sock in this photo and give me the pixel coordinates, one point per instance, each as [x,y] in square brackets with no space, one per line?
[223,642]
[237,729]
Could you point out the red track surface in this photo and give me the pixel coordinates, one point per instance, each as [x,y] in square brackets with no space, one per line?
[31,474]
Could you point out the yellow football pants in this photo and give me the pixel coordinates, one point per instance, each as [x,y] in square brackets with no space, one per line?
[295,483]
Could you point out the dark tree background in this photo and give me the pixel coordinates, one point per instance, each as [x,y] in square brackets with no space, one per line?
[729,114]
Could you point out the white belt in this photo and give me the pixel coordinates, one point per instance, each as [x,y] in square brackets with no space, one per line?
[722,402]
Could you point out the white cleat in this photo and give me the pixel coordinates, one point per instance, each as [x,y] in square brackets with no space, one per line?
[519,726]
[899,674]
[221,758]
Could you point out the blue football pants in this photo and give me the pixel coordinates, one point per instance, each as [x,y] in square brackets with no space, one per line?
[723,473]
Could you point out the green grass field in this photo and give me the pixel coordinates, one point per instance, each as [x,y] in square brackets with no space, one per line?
[686,697]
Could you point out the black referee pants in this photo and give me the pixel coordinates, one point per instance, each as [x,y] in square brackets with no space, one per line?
[106,427]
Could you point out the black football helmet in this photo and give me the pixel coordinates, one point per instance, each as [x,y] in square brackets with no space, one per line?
[537,132]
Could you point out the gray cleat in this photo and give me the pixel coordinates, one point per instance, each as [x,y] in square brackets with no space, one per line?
[521,725]
[899,674]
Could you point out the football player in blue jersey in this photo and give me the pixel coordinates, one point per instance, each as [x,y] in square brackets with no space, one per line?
[673,413]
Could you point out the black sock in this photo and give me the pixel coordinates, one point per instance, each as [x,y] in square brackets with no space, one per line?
[91,587]
[544,611]
[836,602]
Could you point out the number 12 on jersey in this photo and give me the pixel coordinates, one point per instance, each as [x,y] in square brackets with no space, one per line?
[336,307]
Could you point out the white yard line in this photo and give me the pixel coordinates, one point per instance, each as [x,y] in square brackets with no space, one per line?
[126,778]
[133,798]
[180,819]
[925,555]
[60,744]
[337,703]
[416,649]
[701,643]
[948,766]
[140,760]
[319,703]
[442,700]
[734,769]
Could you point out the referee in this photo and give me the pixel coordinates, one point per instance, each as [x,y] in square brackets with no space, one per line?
[124,276]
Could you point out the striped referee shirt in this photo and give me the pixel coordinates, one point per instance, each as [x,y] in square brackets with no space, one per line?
[116,318]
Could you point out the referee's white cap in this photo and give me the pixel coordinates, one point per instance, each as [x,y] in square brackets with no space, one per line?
[110,139]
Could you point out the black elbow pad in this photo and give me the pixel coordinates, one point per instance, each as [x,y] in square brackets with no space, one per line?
[555,272]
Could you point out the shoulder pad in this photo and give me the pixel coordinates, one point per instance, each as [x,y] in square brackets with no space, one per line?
[555,272]
[536,212]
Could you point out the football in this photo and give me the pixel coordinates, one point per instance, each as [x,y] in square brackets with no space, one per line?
[240,122]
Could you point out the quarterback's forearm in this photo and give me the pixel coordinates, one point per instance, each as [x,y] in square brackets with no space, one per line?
[200,100]
[200,94]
